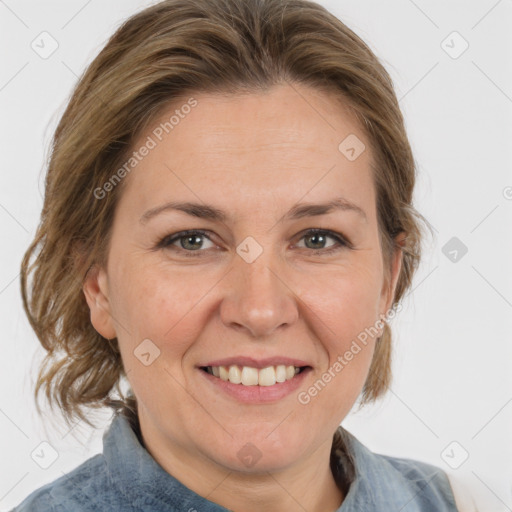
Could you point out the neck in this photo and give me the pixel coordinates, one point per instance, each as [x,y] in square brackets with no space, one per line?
[309,485]
[313,490]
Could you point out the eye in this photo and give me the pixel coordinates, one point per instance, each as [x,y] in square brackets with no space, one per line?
[190,242]
[318,237]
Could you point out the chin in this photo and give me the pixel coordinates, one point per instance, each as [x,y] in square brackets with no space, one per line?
[261,449]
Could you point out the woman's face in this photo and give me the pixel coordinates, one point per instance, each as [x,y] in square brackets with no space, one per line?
[253,287]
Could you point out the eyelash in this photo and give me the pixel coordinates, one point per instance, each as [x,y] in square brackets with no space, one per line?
[167,241]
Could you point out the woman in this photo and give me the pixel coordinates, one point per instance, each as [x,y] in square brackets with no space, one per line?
[228,224]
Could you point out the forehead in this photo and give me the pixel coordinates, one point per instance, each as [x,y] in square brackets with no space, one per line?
[289,142]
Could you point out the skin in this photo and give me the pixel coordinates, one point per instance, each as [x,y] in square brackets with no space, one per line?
[255,156]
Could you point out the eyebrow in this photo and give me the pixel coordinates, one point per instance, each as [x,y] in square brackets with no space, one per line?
[299,211]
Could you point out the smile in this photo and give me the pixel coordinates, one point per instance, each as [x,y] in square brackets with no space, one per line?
[250,376]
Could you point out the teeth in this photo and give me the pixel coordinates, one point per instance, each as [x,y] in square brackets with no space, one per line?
[267,376]
[234,374]
[249,376]
[281,373]
[223,373]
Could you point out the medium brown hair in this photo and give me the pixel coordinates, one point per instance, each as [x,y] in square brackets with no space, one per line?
[173,48]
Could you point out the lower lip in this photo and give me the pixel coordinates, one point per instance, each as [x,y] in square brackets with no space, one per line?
[257,394]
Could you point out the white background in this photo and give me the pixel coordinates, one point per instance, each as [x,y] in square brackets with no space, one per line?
[453,356]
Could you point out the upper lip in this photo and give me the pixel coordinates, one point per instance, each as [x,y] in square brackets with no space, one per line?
[256,363]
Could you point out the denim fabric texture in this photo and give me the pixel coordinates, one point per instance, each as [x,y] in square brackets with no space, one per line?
[125,477]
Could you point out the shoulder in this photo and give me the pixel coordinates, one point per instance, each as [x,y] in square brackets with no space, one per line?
[397,482]
[427,482]
[437,480]
[414,470]
[78,490]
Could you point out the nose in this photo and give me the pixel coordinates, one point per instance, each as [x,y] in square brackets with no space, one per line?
[258,300]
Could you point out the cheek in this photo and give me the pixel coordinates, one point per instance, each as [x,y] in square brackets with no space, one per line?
[346,308]
[345,299]
[160,305]
[154,305]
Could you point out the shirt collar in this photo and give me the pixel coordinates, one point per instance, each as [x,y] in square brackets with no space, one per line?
[383,482]
[140,479]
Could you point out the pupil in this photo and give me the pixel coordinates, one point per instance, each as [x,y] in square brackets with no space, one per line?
[195,239]
[316,236]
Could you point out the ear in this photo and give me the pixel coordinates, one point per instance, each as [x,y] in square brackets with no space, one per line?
[389,287]
[96,293]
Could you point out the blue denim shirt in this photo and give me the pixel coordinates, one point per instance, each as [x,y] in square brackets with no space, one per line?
[125,477]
